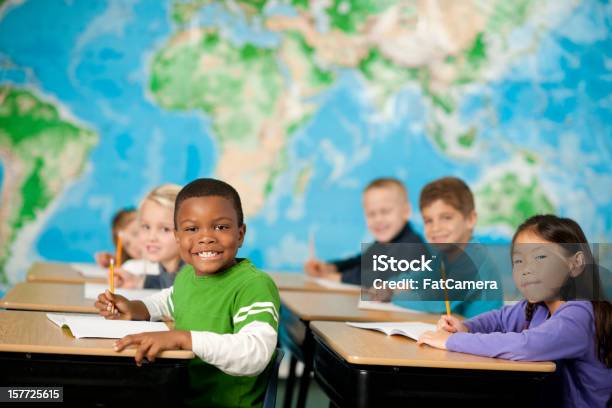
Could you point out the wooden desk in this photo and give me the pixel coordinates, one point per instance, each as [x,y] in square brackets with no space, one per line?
[369,347]
[33,332]
[365,368]
[288,281]
[35,352]
[49,297]
[298,309]
[342,307]
[56,272]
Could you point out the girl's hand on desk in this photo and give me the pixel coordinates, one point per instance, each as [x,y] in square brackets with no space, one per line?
[435,339]
[103,259]
[113,306]
[126,280]
[451,324]
[149,345]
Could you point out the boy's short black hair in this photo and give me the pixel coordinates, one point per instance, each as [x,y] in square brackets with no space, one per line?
[207,187]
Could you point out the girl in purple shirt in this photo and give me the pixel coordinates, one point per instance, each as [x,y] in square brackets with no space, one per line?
[553,268]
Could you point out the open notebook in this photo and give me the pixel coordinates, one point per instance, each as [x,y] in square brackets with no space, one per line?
[98,327]
[412,330]
[92,290]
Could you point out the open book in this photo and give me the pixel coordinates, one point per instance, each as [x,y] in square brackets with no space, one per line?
[413,330]
[92,290]
[98,327]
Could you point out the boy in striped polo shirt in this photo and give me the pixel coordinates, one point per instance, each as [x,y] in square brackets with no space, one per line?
[224,308]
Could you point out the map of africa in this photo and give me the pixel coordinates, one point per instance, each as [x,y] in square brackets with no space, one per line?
[298,104]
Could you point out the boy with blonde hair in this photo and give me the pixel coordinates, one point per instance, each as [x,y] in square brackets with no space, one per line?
[387,212]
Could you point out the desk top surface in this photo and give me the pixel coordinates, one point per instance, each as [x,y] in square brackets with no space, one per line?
[33,332]
[50,297]
[57,272]
[290,281]
[369,347]
[310,306]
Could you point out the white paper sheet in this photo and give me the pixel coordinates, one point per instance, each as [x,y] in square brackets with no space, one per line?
[97,327]
[326,283]
[385,306]
[92,290]
[90,270]
[414,330]
[141,267]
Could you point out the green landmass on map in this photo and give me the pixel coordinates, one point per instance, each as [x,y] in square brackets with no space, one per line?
[508,200]
[46,150]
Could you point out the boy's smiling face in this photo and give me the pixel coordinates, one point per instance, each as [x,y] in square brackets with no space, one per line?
[208,233]
[444,224]
[386,211]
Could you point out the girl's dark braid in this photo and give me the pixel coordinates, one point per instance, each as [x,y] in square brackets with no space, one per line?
[529,309]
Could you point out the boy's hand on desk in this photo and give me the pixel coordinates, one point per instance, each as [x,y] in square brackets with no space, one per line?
[451,324]
[149,345]
[113,306]
[321,269]
[314,267]
[435,339]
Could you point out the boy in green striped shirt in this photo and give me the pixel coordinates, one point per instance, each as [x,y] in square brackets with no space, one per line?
[224,308]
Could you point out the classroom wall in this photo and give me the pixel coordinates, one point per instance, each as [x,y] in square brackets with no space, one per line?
[298,107]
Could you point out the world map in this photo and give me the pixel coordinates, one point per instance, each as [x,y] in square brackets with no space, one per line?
[298,104]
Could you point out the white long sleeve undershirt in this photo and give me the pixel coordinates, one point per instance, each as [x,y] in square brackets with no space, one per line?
[246,353]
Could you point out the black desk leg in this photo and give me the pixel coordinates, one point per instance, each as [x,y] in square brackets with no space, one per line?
[304,383]
[290,382]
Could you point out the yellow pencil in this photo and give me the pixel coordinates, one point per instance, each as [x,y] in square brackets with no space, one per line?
[112,276]
[446,302]
[119,248]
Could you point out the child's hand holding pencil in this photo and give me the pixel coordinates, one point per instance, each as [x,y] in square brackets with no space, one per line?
[117,307]
[113,306]
[447,325]
[451,324]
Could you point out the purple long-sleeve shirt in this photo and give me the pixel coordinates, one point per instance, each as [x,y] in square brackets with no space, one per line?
[568,336]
